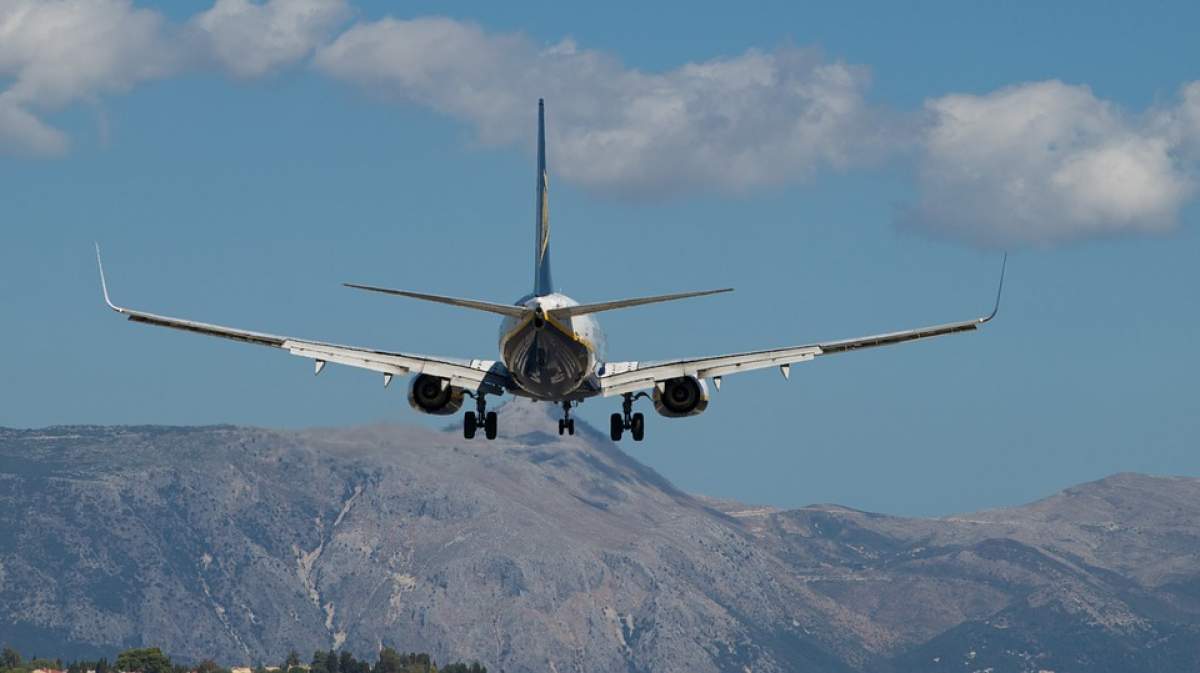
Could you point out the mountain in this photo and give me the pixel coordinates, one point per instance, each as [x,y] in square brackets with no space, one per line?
[541,553]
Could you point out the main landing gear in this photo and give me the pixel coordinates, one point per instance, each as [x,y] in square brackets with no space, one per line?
[480,418]
[627,420]
[566,423]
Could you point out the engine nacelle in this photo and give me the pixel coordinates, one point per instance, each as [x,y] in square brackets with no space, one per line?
[432,395]
[684,396]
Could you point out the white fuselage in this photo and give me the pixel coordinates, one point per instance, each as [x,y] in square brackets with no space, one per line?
[551,359]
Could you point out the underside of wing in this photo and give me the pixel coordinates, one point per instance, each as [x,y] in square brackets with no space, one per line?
[619,378]
[624,377]
[469,374]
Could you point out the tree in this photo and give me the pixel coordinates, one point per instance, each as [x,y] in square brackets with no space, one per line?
[346,663]
[144,660]
[10,658]
[319,663]
[390,661]
[102,665]
[293,660]
[208,666]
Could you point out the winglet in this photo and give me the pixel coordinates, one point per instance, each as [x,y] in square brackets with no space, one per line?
[103,283]
[999,290]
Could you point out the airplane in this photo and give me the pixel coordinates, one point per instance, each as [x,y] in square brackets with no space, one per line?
[551,349]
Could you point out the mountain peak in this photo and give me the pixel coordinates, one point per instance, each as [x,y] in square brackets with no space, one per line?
[538,552]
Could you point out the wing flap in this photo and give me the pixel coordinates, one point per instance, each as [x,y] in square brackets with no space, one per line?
[470,374]
[627,377]
[202,328]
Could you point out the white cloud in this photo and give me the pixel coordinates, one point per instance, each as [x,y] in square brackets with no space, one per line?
[1047,162]
[61,51]
[1180,123]
[23,133]
[731,124]
[1032,164]
[251,39]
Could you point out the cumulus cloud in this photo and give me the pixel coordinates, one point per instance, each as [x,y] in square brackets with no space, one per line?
[1033,164]
[1180,123]
[1048,162]
[252,39]
[754,119]
[57,52]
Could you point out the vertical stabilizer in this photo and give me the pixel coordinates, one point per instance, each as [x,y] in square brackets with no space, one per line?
[542,284]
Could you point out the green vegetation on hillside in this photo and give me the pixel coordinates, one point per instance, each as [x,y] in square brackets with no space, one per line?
[152,660]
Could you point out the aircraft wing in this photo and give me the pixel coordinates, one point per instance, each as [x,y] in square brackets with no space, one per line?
[469,374]
[627,377]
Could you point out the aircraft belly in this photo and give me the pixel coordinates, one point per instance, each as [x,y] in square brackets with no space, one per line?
[546,363]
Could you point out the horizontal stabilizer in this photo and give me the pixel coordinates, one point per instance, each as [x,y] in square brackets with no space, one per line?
[583,309]
[502,309]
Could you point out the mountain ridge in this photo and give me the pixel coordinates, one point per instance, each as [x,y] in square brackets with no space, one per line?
[536,552]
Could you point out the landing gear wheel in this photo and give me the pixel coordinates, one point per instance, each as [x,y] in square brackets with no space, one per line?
[616,427]
[637,427]
[566,423]
[489,425]
[469,425]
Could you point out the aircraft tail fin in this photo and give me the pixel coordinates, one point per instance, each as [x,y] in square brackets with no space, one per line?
[542,285]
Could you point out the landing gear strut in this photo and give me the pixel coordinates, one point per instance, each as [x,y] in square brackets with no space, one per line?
[480,418]
[566,423]
[627,420]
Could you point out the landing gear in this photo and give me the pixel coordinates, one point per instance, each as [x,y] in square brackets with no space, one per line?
[627,420]
[470,423]
[489,425]
[616,427]
[566,423]
[637,426]
[480,418]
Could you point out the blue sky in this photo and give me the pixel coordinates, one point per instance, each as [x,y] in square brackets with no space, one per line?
[240,180]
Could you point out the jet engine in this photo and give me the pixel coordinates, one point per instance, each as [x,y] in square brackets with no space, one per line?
[683,396]
[432,395]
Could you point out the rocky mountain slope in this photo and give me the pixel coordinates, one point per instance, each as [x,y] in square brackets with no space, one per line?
[540,553]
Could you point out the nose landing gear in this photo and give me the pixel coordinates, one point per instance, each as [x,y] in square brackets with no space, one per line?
[566,423]
[480,418]
[627,420]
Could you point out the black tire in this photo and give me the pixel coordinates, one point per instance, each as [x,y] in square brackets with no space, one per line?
[561,427]
[469,425]
[489,425]
[571,427]
[616,427]
[637,427]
